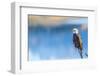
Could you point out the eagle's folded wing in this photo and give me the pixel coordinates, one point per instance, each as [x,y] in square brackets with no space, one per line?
[80,41]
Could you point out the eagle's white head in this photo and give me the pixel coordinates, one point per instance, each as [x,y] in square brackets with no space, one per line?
[75,31]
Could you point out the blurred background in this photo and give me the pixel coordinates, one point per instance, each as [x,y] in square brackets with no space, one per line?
[51,37]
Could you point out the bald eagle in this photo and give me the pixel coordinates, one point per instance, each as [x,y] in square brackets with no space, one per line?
[77,41]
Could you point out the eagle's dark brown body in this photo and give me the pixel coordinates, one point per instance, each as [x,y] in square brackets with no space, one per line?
[78,43]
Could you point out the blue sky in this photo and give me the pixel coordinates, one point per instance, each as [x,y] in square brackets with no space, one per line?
[49,41]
